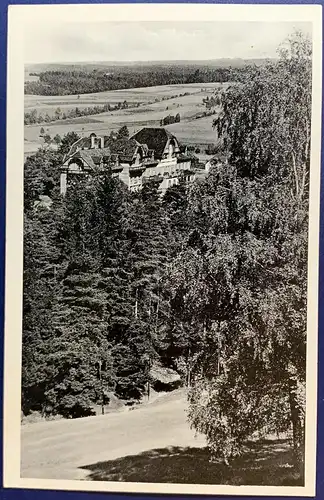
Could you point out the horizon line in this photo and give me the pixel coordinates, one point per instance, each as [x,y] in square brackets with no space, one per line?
[138,61]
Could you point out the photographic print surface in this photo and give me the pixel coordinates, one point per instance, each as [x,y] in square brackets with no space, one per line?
[163,192]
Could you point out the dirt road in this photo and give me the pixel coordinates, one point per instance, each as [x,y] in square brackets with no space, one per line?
[59,449]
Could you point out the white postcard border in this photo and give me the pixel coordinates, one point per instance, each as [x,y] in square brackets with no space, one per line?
[22,17]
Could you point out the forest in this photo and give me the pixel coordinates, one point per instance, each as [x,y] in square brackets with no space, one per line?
[72,82]
[210,280]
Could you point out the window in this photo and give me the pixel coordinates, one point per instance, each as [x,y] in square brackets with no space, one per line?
[138,159]
[75,167]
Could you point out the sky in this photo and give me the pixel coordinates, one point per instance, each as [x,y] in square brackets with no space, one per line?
[154,41]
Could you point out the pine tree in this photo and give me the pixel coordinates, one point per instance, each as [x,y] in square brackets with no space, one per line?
[67,141]
[41,176]
[41,274]
[123,133]
[79,363]
[125,334]
[148,234]
[175,204]
[78,348]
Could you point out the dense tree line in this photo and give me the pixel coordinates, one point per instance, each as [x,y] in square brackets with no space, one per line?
[64,82]
[211,279]
[33,116]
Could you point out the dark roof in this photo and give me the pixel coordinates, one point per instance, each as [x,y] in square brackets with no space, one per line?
[154,138]
[93,156]
[84,142]
[124,148]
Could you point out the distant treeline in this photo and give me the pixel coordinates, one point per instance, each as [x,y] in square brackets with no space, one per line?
[80,82]
[34,116]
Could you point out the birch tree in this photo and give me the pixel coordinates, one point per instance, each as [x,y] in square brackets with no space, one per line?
[251,216]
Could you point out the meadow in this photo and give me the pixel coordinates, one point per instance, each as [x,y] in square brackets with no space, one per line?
[154,103]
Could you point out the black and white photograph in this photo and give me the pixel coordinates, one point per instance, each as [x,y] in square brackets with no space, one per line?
[162,250]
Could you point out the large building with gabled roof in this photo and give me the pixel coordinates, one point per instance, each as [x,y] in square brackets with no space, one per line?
[158,139]
[149,154]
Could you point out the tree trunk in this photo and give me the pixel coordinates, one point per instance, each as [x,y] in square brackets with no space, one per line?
[150,305]
[136,304]
[218,351]
[297,428]
[101,389]
[157,313]
[189,368]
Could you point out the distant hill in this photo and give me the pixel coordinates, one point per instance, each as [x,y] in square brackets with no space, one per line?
[100,65]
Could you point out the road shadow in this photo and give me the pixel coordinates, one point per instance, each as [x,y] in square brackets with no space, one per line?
[266,463]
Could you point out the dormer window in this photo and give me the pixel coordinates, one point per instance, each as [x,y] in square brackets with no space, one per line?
[75,168]
[96,142]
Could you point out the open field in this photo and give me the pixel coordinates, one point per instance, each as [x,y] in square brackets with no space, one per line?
[154,104]
[48,104]
[153,443]
[196,132]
